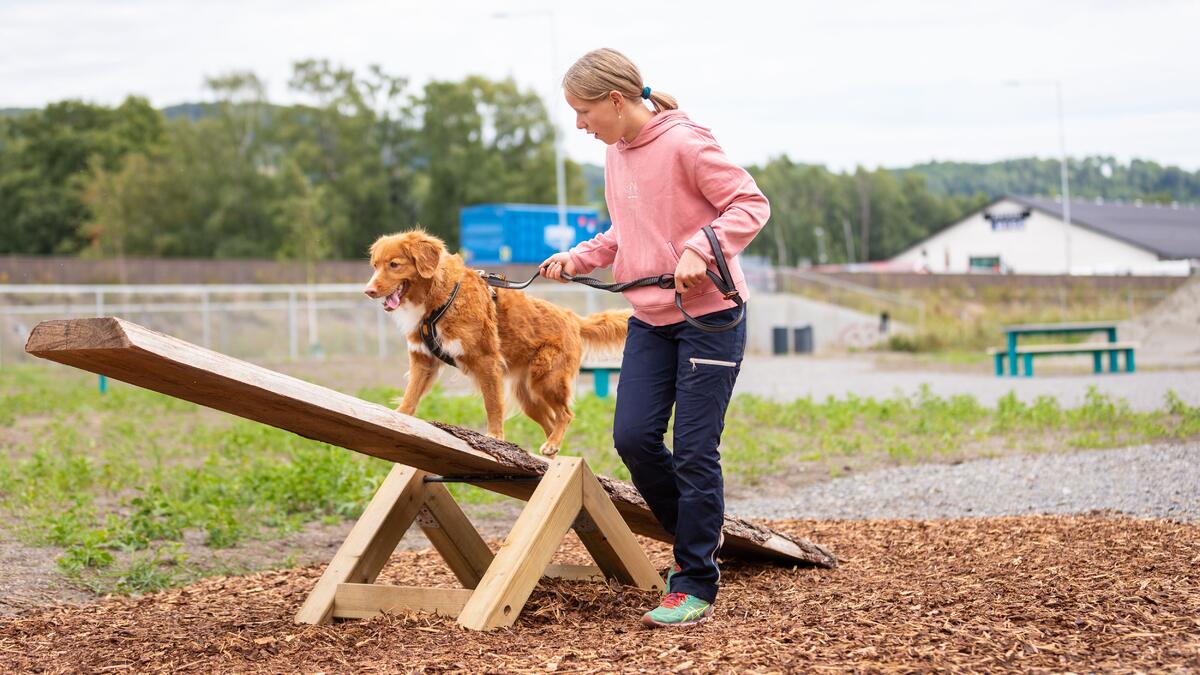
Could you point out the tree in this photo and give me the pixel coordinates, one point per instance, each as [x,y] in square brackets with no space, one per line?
[47,157]
[483,141]
[354,143]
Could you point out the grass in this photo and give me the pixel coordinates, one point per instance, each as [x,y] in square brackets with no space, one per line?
[127,483]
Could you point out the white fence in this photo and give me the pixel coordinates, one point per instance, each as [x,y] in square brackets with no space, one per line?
[262,322]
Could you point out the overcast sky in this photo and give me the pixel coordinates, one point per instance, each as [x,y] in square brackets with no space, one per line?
[840,83]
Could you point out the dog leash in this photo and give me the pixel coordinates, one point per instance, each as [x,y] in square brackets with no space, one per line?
[723,281]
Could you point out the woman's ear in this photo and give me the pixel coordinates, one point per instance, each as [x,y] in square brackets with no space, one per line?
[426,255]
[617,99]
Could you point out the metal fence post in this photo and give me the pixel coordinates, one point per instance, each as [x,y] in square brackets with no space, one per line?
[293,337]
[207,316]
[314,340]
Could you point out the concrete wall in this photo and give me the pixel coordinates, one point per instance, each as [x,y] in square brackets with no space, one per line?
[833,326]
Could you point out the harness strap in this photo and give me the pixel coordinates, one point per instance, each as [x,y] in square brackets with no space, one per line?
[429,334]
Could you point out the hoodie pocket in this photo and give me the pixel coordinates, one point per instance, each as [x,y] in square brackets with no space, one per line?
[674,254]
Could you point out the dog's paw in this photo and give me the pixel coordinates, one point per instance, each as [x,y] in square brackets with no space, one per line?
[499,435]
[549,450]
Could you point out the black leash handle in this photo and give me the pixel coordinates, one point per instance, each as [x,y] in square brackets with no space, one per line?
[724,283]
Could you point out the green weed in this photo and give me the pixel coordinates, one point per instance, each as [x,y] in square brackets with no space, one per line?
[117,483]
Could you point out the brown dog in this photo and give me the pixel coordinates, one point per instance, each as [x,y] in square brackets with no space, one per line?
[533,343]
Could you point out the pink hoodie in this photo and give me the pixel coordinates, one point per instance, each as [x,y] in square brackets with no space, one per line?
[661,189]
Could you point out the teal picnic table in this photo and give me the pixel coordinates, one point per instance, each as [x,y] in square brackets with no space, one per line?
[1014,333]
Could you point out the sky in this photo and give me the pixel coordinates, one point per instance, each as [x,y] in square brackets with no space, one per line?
[858,82]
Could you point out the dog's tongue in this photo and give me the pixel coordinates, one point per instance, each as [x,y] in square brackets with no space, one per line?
[392,301]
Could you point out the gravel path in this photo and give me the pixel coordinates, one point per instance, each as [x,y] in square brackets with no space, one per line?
[1150,481]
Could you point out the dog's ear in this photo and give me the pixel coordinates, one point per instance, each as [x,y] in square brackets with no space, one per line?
[426,255]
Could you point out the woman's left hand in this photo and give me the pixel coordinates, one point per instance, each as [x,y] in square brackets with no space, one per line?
[690,272]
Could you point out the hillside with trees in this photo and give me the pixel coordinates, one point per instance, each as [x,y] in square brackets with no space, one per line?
[366,153]
[240,177]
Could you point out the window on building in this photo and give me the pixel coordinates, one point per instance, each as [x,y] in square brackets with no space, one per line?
[985,263]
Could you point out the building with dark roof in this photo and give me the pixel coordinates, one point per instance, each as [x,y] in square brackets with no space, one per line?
[1029,235]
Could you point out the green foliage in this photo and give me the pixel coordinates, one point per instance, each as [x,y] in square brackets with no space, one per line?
[363,153]
[870,214]
[1139,179]
[117,482]
[360,155]
[44,160]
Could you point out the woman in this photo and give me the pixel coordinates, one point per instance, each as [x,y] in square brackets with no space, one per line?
[665,178]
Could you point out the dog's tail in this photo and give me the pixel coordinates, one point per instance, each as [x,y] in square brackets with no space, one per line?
[604,332]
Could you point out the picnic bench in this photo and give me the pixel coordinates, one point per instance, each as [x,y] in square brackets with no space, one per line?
[600,375]
[1013,352]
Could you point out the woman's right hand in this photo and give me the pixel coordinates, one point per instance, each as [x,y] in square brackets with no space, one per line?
[554,266]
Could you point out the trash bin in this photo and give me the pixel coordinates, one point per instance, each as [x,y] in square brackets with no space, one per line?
[803,339]
[779,340]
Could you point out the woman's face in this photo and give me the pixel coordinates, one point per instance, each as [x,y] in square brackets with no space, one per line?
[600,118]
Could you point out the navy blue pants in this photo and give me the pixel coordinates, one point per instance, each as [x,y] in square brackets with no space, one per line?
[681,367]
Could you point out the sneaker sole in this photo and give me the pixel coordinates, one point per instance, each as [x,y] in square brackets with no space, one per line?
[651,623]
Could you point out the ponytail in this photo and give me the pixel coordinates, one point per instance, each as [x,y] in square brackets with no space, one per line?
[600,71]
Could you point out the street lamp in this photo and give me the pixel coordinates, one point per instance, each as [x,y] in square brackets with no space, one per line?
[1062,149]
[560,178]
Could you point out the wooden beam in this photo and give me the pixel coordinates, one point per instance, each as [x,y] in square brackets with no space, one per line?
[371,542]
[454,537]
[528,548]
[362,601]
[140,356]
[610,540]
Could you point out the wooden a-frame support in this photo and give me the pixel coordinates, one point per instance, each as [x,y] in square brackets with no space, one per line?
[495,587]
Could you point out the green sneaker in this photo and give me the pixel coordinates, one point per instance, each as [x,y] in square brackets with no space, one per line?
[678,609]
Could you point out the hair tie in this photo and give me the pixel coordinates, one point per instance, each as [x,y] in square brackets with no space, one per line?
[645,92]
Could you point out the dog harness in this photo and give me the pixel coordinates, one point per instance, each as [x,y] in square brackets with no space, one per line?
[429,332]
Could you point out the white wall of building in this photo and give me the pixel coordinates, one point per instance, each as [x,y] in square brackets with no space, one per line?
[1039,246]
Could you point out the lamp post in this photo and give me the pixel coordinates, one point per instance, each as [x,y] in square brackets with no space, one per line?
[1062,151]
[560,177]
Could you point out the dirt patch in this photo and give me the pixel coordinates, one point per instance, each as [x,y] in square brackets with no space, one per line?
[1170,330]
[994,594]
[30,578]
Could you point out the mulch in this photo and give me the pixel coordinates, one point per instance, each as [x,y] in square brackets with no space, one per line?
[1084,593]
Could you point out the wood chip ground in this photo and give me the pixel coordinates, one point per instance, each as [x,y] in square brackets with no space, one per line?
[1085,593]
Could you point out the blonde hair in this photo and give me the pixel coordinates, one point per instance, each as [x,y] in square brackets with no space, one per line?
[603,70]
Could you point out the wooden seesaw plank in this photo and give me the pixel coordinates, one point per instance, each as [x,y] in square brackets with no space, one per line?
[137,355]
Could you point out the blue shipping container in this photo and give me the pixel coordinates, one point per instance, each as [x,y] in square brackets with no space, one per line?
[522,233]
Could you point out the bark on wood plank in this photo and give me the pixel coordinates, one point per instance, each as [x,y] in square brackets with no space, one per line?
[137,355]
